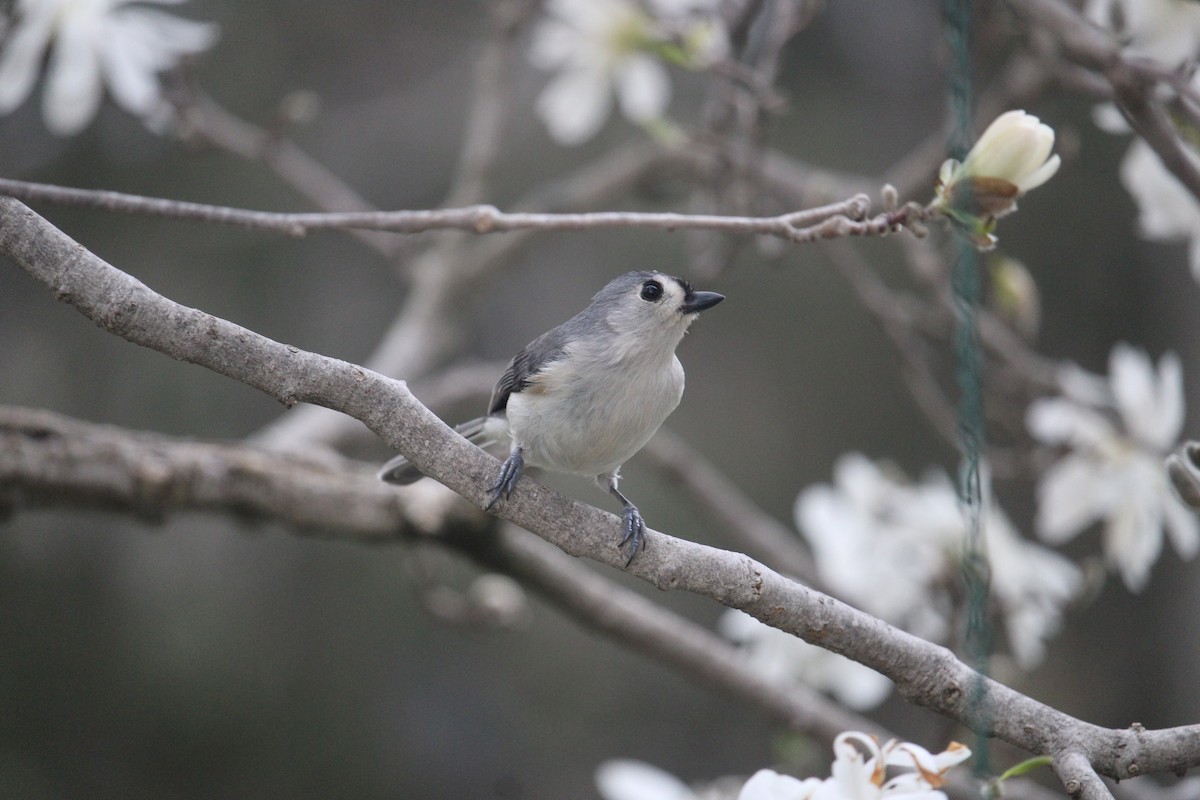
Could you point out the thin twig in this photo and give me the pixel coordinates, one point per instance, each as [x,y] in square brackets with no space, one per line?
[843,218]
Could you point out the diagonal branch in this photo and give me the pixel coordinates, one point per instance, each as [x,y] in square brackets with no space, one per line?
[926,674]
[51,461]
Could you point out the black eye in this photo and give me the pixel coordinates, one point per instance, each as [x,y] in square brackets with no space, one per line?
[652,291]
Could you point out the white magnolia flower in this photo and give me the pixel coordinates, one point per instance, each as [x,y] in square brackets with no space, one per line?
[890,546]
[1167,211]
[94,43]
[859,772]
[1011,158]
[1165,30]
[780,656]
[599,48]
[1117,475]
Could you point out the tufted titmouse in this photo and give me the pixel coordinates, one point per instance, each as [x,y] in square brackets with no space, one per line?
[584,397]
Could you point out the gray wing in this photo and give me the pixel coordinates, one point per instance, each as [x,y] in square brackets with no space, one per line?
[525,365]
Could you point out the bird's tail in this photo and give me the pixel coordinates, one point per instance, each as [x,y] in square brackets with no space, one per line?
[402,471]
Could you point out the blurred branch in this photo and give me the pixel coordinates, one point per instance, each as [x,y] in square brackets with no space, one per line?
[905,319]
[206,121]
[51,461]
[488,105]
[926,674]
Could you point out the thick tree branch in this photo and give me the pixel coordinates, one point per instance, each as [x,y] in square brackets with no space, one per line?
[926,674]
[51,461]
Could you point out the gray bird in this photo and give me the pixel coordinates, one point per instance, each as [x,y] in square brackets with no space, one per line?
[582,398]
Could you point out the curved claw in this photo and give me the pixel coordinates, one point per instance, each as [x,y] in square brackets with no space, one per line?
[510,472]
[635,532]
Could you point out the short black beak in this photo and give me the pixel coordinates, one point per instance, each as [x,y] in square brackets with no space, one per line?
[698,301]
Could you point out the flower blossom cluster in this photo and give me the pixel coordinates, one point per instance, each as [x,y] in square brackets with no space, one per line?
[859,772]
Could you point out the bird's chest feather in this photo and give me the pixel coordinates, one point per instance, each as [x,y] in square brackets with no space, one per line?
[587,421]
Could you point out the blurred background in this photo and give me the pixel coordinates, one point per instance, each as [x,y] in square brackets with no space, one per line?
[205,658]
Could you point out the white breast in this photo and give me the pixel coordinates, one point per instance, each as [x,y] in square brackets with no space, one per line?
[580,421]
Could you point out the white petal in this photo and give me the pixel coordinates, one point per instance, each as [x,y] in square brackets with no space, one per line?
[131,77]
[553,44]
[1167,210]
[1054,420]
[681,8]
[21,60]
[1170,403]
[1109,119]
[591,17]
[643,88]
[770,785]
[1032,584]
[574,105]
[1133,536]
[626,779]
[1182,527]
[1071,495]
[73,83]
[1151,403]
[858,687]
[1083,386]
[1040,175]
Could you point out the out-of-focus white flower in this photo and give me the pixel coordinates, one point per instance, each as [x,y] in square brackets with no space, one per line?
[780,656]
[1167,211]
[859,772]
[767,784]
[1032,585]
[599,48]
[890,547]
[1165,30]
[1118,475]
[627,779]
[1011,158]
[94,43]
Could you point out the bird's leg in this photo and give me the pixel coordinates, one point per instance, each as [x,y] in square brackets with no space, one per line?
[510,471]
[634,525]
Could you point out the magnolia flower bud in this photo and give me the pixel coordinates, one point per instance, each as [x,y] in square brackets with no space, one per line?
[1014,296]
[1010,158]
